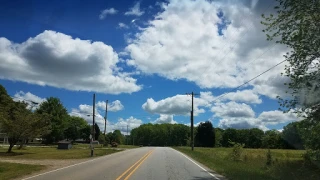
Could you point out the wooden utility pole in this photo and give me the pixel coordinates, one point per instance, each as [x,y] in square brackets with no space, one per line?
[191,119]
[105,118]
[93,116]
[127,134]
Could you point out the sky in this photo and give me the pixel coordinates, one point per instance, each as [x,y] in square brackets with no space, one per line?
[144,57]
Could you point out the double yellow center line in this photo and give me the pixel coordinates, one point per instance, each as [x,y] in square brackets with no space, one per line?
[135,166]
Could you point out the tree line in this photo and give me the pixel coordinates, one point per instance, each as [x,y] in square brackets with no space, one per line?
[207,136]
[50,122]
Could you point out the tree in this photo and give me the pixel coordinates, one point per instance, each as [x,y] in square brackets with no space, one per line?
[97,131]
[85,132]
[218,137]
[228,135]
[102,139]
[296,25]
[117,137]
[19,122]
[205,136]
[272,140]
[291,135]
[58,118]
[254,138]
[74,127]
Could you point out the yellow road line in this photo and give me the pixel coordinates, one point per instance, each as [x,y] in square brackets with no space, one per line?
[137,166]
[133,165]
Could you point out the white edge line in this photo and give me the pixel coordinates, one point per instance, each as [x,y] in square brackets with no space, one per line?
[198,165]
[73,165]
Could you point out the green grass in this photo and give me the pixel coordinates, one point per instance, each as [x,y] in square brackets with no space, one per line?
[286,164]
[14,170]
[53,153]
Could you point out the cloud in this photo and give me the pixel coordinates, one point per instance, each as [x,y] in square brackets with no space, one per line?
[165,119]
[177,105]
[241,116]
[247,96]
[105,12]
[232,109]
[85,111]
[58,60]
[215,44]
[32,100]
[135,10]
[276,117]
[123,124]
[122,26]
[113,106]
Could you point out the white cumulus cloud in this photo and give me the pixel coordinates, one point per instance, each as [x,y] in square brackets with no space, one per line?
[32,100]
[55,59]
[215,44]
[165,119]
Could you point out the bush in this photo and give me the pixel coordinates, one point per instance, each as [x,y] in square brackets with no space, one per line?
[269,158]
[236,151]
[102,139]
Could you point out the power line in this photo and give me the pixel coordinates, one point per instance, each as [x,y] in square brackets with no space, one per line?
[219,97]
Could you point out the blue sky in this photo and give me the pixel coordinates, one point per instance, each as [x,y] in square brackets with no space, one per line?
[143,57]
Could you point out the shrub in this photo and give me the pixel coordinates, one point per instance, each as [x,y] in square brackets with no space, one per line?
[236,151]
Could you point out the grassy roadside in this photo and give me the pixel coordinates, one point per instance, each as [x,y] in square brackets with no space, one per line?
[54,153]
[286,164]
[14,170]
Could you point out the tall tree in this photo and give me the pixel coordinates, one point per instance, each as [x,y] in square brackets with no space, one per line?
[97,131]
[229,134]
[205,136]
[58,118]
[74,127]
[296,25]
[272,140]
[17,121]
[291,134]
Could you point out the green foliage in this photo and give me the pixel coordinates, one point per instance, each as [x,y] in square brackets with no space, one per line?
[287,164]
[205,136]
[237,149]
[97,131]
[269,158]
[272,140]
[296,25]
[74,126]
[218,137]
[229,135]
[19,122]
[161,135]
[102,139]
[85,132]
[292,136]
[58,118]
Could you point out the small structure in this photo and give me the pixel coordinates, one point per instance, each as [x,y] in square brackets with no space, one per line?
[64,145]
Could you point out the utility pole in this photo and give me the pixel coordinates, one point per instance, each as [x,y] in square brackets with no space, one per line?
[105,118]
[127,134]
[93,116]
[191,119]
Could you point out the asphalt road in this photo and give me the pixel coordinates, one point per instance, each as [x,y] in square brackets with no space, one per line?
[146,163]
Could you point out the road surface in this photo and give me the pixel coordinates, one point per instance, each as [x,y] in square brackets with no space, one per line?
[146,163]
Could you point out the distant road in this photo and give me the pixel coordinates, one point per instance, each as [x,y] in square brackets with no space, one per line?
[146,163]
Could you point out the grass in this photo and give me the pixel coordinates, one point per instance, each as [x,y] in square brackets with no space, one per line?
[53,153]
[286,164]
[14,170]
